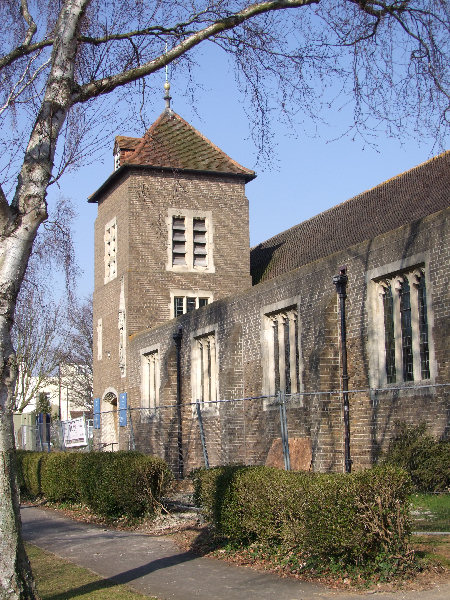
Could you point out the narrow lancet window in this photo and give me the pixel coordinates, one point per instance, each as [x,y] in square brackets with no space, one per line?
[389,337]
[423,329]
[405,320]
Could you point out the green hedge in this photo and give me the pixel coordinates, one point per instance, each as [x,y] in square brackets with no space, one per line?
[29,472]
[59,476]
[115,483]
[426,459]
[112,484]
[346,519]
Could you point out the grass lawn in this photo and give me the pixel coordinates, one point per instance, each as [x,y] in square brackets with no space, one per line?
[431,512]
[58,579]
[432,550]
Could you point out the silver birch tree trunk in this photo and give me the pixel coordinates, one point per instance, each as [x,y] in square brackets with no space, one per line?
[19,225]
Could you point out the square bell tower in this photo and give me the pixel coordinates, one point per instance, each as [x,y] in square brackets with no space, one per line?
[171,235]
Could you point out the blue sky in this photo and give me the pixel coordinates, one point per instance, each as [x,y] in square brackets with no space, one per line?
[305,174]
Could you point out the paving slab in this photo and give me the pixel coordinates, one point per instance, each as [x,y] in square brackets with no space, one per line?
[155,566]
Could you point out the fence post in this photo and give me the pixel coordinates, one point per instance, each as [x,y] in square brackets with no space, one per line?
[284,431]
[61,433]
[202,434]
[131,442]
[39,436]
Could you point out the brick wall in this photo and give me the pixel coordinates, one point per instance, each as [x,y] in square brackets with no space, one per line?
[107,376]
[246,430]
[140,202]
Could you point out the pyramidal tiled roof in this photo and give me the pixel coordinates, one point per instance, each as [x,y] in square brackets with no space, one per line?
[172,143]
[413,195]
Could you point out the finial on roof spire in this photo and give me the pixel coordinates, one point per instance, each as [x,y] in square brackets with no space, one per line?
[167,96]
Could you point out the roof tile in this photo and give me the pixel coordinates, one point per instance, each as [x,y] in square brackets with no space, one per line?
[172,143]
[423,190]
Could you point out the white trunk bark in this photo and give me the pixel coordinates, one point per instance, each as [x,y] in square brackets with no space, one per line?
[18,228]
[15,574]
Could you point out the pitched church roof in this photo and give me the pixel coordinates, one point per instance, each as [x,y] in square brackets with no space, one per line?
[401,200]
[171,142]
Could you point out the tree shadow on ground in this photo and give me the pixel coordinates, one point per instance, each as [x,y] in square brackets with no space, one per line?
[124,578]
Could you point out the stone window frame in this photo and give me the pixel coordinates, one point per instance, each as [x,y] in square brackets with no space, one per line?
[189,216]
[198,370]
[288,308]
[150,369]
[377,280]
[110,258]
[183,293]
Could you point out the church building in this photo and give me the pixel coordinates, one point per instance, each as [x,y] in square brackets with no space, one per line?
[204,347]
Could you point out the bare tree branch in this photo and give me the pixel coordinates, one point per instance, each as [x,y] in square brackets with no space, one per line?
[20,86]
[32,27]
[107,84]
[178,30]
[23,50]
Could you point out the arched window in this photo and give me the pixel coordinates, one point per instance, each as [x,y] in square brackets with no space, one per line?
[405,355]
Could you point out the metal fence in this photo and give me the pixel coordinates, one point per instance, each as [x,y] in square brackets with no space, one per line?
[291,431]
[45,437]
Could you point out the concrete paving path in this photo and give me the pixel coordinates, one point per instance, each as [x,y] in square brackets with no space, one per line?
[154,565]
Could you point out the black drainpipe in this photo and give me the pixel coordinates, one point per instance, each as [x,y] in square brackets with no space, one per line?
[178,336]
[340,281]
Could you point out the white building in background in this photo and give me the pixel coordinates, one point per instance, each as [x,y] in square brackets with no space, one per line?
[66,402]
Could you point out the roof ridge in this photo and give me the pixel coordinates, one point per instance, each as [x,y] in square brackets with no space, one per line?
[142,138]
[356,197]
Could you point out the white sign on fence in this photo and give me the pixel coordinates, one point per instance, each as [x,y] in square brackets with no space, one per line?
[74,432]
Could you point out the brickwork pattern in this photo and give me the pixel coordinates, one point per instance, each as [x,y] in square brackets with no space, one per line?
[140,202]
[244,431]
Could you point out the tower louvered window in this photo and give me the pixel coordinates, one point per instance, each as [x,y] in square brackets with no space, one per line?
[199,241]
[178,241]
[191,246]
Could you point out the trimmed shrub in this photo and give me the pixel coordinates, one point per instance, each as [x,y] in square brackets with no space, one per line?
[260,504]
[112,484]
[324,518]
[29,467]
[122,483]
[210,488]
[59,476]
[357,518]
[426,459]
